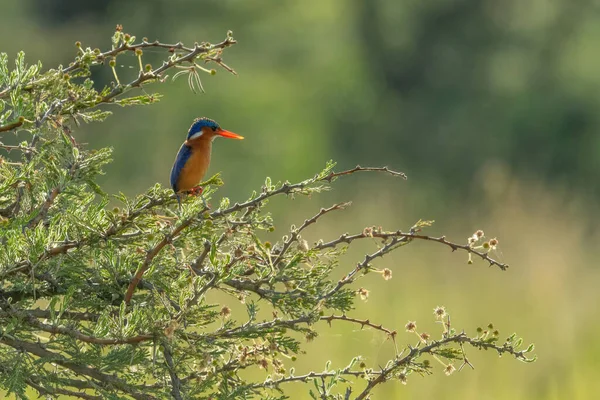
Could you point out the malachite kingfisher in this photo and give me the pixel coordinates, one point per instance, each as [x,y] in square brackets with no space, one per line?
[193,157]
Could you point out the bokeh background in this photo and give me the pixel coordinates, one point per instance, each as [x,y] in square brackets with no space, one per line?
[490,106]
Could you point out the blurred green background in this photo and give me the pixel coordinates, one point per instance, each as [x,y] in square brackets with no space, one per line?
[490,106]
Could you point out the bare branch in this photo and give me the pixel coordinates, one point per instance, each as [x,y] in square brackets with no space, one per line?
[405,236]
[390,333]
[358,168]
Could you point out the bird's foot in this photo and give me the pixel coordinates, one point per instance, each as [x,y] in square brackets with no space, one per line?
[196,190]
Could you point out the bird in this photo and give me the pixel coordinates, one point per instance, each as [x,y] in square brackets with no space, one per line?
[193,158]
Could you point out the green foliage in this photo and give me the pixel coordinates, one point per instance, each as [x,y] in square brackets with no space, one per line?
[112,301]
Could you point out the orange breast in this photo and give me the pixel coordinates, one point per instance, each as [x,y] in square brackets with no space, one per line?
[196,167]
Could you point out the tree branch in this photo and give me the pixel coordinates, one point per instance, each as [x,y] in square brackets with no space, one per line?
[296,232]
[385,373]
[358,168]
[175,382]
[110,380]
[153,253]
[6,128]
[391,334]
[43,211]
[405,236]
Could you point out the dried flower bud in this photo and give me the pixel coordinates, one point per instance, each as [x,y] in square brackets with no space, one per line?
[479,233]
[411,326]
[439,312]
[171,328]
[138,52]
[119,28]
[449,369]
[364,294]
[425,336]
[493,243]
[225,312]
[368,231]
[303,246]
[310,336]
[78,44]
[387,274]
[402,378]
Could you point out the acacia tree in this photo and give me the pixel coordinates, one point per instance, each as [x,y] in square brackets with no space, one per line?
[99,302]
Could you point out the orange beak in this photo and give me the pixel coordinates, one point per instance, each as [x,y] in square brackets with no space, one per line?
[228,134]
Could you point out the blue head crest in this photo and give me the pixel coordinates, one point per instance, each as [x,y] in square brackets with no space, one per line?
[200,123]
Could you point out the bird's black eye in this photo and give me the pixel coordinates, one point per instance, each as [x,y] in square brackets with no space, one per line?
[214,128]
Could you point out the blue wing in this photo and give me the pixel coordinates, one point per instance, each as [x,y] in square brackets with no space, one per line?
[184,154]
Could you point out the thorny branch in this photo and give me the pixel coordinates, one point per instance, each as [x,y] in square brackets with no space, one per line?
[403,237]
[385,373]
[362,322]
[59,106]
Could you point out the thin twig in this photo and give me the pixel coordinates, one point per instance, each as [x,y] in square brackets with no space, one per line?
[358,168]
[364,265]
[296,232]
[68,315]
[345,238]
[289,188]
[10,148]
[385,373]
[390,333]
